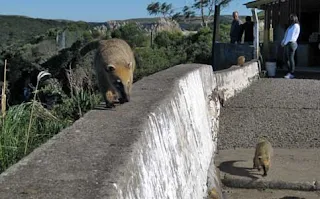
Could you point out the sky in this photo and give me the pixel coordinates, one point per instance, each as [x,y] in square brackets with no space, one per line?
[96,10]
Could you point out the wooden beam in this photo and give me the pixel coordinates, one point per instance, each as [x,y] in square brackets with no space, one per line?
[256,33]
[215,32]
[266,34]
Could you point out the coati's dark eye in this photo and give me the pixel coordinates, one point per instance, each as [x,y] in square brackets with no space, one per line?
[118,84]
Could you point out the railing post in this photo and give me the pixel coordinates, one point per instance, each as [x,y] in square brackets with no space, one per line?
[215,32]
[256,33]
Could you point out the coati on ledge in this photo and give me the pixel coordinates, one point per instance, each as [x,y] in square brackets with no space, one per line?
[114,64]
[241,60]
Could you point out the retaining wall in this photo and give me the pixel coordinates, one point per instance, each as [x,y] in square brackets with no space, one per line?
[226,54]
[159,145]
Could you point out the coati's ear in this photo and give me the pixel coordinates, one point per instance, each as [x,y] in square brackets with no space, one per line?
[110,68]
[130,65]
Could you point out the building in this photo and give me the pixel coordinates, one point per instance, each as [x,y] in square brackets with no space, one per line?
[276,18]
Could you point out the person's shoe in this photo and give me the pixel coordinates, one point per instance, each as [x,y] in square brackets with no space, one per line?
[289,76]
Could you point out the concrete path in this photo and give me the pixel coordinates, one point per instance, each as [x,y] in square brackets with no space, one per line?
[297,169]
[287,112]
[269,194]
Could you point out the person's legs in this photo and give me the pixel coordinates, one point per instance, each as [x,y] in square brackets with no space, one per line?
[292,47]
[286,60]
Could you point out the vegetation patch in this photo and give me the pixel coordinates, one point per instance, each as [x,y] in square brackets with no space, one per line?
[37,109]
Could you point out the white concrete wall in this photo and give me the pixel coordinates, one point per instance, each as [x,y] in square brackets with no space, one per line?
[180,137]
[159,145]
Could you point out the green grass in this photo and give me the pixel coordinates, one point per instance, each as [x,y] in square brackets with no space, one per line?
[45,124]
[14,126]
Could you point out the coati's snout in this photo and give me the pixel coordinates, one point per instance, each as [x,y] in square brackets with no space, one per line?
[122,96]
[120,82]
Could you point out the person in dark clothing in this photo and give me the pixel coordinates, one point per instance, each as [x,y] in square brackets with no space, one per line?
[27,90]
[235,28]
[247,29]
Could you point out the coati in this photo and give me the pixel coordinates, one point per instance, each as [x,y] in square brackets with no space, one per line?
[114,64]
[213,194]
[241,60]
[262,156]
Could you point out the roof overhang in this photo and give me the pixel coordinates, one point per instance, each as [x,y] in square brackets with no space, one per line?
[259,3]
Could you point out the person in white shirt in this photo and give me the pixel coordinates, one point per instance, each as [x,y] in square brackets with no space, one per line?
[290,44]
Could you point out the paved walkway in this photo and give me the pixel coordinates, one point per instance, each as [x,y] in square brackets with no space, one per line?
[287,112]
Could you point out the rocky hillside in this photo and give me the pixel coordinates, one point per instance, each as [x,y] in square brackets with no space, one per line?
[31,44]
[18,30]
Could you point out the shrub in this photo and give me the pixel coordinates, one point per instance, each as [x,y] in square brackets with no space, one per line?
[150,61]
[200,46]
[87,36]
[133,34]
[224,33]
[74,107]
[166,39]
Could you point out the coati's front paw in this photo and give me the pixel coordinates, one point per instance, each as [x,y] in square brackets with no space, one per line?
[123,100]
[110,105]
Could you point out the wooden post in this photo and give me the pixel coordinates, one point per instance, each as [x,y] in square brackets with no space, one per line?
[256,33]
[215,32]
[151,38]
[266,34]
[3,95]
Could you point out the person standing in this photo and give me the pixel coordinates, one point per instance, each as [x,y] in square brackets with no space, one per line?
[235,28]
[289,42]
[247,29]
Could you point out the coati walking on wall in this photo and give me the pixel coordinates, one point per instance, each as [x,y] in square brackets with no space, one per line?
[241,60]
[262,156]
[114,64]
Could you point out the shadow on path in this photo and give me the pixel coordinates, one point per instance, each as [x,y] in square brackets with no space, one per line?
[228,167]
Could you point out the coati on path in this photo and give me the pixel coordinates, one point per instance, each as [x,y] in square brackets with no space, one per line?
[241,60]
[262,156]
[114,64]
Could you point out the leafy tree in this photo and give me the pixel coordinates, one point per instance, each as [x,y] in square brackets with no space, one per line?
[188,12]
[203,5]
[206,8]
[166,39]
[156,8]
[87,36]
[199,46]
[133,34]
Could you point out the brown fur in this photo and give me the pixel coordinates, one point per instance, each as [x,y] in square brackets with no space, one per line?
[213,194]
[262,156]
[241,60]
[114,61]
